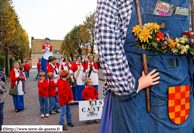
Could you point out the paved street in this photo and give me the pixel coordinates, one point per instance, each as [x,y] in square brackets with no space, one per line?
[31,114]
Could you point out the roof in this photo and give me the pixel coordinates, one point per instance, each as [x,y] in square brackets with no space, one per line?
[37,46]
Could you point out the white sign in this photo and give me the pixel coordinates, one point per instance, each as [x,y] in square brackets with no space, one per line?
[90,110]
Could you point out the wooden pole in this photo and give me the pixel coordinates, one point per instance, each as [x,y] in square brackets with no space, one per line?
[144,57]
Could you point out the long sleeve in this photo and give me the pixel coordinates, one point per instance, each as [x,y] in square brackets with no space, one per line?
[12,76]
[3,89]
[96,94]
[111,23]
[95,68]
[43,48]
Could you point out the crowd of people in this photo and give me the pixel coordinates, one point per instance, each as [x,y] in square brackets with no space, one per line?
[66,83]
[60,84]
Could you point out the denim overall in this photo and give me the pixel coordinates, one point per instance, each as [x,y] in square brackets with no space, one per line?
[129,115]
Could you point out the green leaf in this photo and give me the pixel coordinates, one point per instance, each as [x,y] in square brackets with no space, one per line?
[154,44]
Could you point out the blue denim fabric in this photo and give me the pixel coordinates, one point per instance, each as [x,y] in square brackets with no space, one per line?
[106,119]
[1,113]
[65,110]
[24,86]
[38,74]
[27,73]
[43,65]
[56,102]
[130,114]
[51,103]
[43,105]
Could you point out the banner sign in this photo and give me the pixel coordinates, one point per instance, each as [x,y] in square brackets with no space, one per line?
[90,110]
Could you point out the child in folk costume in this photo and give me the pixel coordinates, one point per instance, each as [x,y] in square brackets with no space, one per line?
[43,94]
[54,68]
[90,93]
[91,69]
[78,75]
[17,77]
[52,93]
[65,98]
[47,49]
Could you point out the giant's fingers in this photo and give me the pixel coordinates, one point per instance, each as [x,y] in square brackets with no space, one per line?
[143,74]
[155,83]
[152,72]
[155,79]
[155,75]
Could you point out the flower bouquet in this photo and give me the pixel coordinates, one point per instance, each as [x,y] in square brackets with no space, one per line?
[152,39]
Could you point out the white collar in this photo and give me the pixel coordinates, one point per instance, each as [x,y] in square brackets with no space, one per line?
[16,70]
[52,64]
[92,62]
[78,63]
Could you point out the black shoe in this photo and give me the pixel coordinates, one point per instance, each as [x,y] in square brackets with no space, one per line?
[70,124]
[88,122]
[64,127]
[53,112]
[96,121]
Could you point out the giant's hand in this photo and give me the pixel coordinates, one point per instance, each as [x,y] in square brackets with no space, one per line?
[148,80]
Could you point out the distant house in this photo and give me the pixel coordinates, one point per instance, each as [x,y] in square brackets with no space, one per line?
[36,50]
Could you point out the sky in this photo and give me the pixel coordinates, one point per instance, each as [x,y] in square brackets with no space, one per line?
[52,18]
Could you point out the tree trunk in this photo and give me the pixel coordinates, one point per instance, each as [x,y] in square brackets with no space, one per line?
[22,60]
[80,51]
[71,57]
[7,62]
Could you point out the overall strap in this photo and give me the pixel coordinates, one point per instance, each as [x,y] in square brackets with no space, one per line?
[78,71]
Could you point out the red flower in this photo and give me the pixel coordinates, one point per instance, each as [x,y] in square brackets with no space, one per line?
[157,39]
[190,35]
[186,33]
[160,34]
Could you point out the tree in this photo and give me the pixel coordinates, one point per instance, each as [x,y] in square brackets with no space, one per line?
[89,24]
[7,28]
[67,47]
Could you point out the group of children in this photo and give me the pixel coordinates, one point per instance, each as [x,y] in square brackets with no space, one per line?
[65,95]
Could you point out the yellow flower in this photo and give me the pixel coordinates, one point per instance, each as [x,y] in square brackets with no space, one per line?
[147,26]
[183,49]
[177,40]
[136,30]
[144,35]
[171,44]
[154,27]
[174,50]
[178,45]
[182,40]
[187,47]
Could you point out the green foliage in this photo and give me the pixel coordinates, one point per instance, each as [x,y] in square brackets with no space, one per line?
[2,61]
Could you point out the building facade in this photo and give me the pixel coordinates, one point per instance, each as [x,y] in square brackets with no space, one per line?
[36,50]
